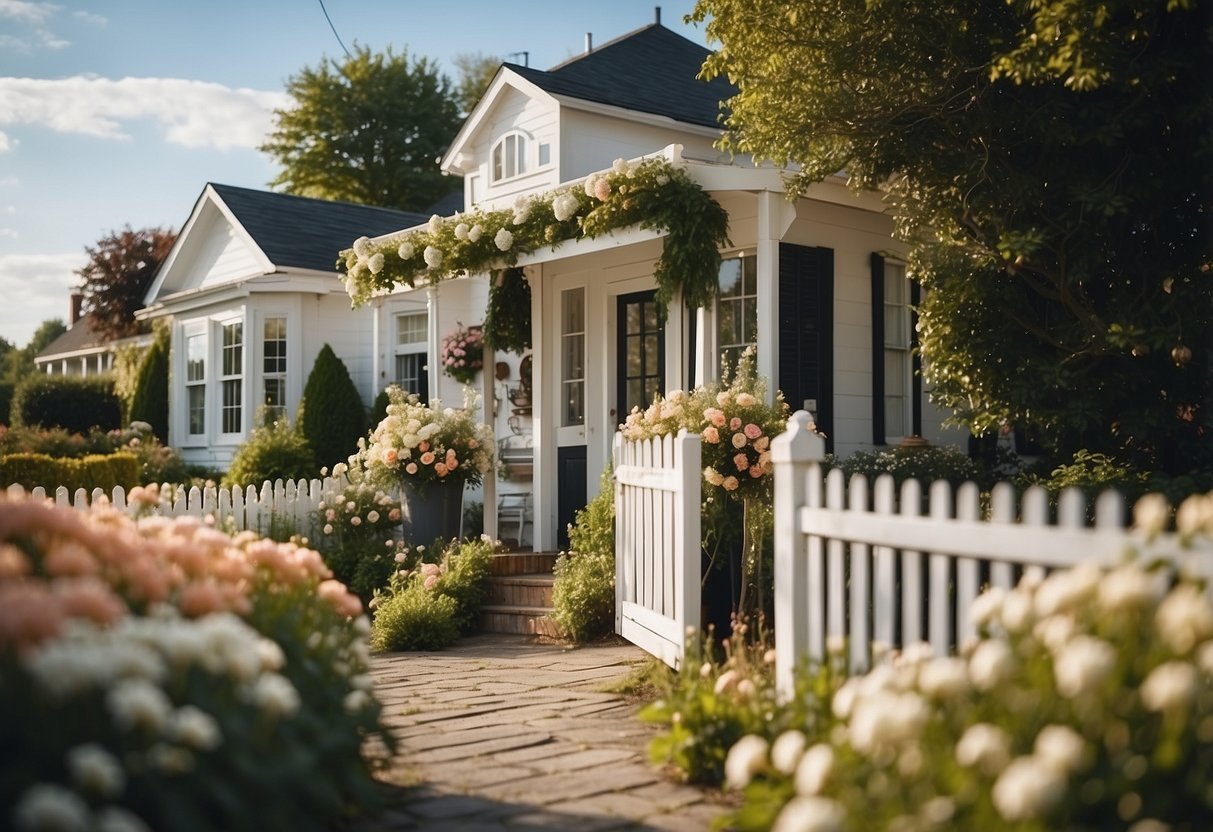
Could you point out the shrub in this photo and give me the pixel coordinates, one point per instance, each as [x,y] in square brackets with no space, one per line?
[274,451]
[1087,703]
[583,596]
[149,402]
[464,576]
[926,465]
[6,401]
[593,527]
[332,416]
[165,676]
[379,407]
[354,525]
[412,617]
[72,402]
[104,471]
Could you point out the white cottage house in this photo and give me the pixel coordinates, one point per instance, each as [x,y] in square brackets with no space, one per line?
[253,295]
[816,283]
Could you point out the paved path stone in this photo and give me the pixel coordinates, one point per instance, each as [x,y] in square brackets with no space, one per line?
[506,734]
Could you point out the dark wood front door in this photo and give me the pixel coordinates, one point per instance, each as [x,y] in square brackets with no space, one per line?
[640,352]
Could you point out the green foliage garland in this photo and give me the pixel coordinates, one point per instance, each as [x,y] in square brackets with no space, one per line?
[507,324]
[652,194]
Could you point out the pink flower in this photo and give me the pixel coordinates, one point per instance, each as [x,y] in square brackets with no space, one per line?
[391,457]
[440,469]
[427,458]
[752,431]
[411,468]
[762,443]
[715,416]
[730,483]
[741,461]
[739,441]
[431,582]
[394,515]
[423,446]
[756,472]
[734,423]
[602,189]
[746,400]
[710,434]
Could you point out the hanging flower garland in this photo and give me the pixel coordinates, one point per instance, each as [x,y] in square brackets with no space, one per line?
[463,353]
[507,322]
[652,194]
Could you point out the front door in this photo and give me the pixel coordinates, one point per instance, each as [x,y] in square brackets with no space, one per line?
[571,469]
[640,352]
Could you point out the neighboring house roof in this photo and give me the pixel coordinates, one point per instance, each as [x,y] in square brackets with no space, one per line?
[448,205]
[80,336]
[651,70]
[299,232]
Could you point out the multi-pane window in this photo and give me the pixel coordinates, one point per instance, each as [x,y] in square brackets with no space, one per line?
[898,366]
[572,357]
[231,380]
[737,307]
[273,369]
[412,339]
[195,383]
[509,157]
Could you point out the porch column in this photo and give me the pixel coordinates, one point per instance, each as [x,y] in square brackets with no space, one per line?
[543,481]
[488,392]
[376,348]
[775,215]
[433,349]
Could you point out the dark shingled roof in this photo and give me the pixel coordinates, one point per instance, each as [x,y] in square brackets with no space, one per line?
[650,70]
[299,232]
[80,336]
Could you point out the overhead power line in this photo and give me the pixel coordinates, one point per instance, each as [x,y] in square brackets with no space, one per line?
[334,28]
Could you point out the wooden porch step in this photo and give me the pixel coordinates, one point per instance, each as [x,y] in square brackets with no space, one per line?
[523,563]
[524,590]
[518,618]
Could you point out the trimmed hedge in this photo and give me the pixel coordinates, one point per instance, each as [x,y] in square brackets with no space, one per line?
[149,403]
[75,403]
[7,388]
[104,471]
[332,416]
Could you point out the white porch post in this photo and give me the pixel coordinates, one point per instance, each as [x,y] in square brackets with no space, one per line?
[543,481]
[767,266]
[675,348]
[488,381]
[376,347]
[435,345]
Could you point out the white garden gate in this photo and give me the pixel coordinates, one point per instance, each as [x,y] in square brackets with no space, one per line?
[657,542]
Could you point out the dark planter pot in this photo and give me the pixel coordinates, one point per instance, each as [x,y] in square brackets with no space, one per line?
[432,515]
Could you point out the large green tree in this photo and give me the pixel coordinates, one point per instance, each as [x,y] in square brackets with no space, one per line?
[1049,164]
[19,362]
[367,129]
[119,271]
[476,72]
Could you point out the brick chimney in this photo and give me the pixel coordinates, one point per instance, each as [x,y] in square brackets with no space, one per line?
[77,304]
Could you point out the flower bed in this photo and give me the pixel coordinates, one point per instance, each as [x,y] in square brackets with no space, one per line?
[159,674]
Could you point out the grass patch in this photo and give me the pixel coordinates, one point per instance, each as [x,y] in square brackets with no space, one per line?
[645,681]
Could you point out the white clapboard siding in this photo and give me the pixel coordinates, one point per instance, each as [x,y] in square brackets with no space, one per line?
[292,502]
[855,566]
[657,542]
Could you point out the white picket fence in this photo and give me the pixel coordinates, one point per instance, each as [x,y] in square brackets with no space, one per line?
[657,542]
[288,503]
[878,571]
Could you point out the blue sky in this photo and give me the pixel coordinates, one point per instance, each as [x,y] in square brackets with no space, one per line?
[118,112]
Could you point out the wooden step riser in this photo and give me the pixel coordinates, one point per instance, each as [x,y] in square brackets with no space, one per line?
[522,595]
[523,564]
[518,623]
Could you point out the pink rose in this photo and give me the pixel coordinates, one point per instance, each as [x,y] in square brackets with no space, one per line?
[762,444]
[602,189]
[741,461]
[440,469]
[739,441]
[391,456]
[755,472]
[734,423]
[411,467]
[431,582]
[394,515]
[710,434]
[423,446]
[730,483]
[715,416]
[752,431]
[427,458]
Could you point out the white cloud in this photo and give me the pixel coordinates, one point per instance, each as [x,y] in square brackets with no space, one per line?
[25,11]
[88,17]
[6,144]
[192,114]
[35,288]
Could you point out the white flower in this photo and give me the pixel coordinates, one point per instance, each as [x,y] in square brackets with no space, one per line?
[1017,611]
[1062,746]
[1128,589]
[117,819]
[170,759]
[504,239]
[356,700]
[275,695]
[196,728]
[522,210]
[271,655]
[886,719]
[814,769]
[662,179]
[990,664]
[1169,686]
[1151,514]
[943,678]
[1027,788]
[50,807]
[372,516]
[432,257]
[986,607]
[590,183]
[726,681]
[96,771]
[746,758]
[985,746]
[1195,514]
[786,750]
[137,703]
[406,252]
[1067,589]
[1082,665]
[1184,618]
[328,528]
[1055,632]
[810,814]
[564,206]
[435,224]
[362,247]
[475,233]
[461,231]
[375,262]
[620,166]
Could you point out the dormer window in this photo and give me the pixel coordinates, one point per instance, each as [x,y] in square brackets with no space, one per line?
[509,157]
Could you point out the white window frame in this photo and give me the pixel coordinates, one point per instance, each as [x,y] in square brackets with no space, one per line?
[189,335]
[510,157]
[413,341]
[279,373]
[226,378]
[572,344]
[749,337]
[898,352]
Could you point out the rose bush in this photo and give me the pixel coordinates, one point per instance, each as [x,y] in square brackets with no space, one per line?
[159,674]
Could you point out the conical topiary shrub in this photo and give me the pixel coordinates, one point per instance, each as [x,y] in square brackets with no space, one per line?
[150,400]
[332,414]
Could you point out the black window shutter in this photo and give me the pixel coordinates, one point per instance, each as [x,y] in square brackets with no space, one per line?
[878,424]
[916,378]
[806,331]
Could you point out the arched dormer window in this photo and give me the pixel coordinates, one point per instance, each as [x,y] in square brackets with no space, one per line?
[509,156]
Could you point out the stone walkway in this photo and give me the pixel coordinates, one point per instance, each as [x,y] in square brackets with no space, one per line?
[502,733]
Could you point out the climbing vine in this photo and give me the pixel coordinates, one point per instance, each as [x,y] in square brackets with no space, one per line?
[651,194]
